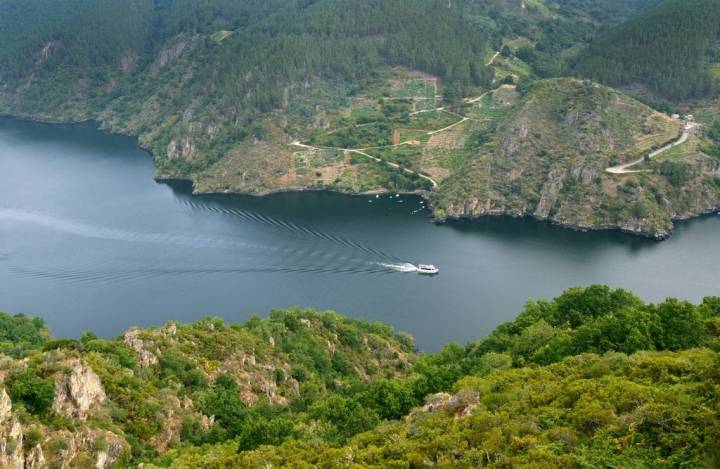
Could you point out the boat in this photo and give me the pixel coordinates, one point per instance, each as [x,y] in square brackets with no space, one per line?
[427,269]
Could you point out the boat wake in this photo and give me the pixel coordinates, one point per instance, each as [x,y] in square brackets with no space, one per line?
[329,254]
[401,267]
[86,230]
[287,226]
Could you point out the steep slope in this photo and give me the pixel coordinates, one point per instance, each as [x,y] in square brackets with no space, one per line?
[197,86]
[302,388]
[498,408]
[255,97]
[667,49]
[544,37]
[645,410]
[547,158]
[100,403]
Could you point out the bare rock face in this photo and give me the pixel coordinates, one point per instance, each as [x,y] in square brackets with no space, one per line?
[132,339]
[461,404]
[550,193]
[5,406]
[102,447]
[115,446]
[170,329]
[11,435]
[35,459]
[78,394]
[11,445]
[437,401]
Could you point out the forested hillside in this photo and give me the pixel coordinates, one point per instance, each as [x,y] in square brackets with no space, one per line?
[543,38]
[271,45]
[594,376]
[197,82]
[669,50]
[382,95]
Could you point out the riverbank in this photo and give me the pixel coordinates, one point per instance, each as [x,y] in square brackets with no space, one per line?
[635,227]
[425,196]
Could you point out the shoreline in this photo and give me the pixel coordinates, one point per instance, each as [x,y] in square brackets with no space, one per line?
[450,220]
[420,193]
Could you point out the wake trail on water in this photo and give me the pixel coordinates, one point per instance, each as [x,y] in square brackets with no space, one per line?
[290,227]
[401,267]
[309,260]
[88,230]
[121,276]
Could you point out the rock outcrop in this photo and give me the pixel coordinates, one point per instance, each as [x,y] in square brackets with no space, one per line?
[11,435]
[35,459]
[132,339]
[5,406]
[78,394]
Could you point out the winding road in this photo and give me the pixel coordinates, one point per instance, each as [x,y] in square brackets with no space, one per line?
[624,168]
[493,59]
[361,151]
[373,158]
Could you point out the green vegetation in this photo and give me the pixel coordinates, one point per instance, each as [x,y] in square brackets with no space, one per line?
[547,156]
[20,335]
[668,49]
[644,410]
[713,146]
[595,375]
[34,392]
[545,39]
[220,92]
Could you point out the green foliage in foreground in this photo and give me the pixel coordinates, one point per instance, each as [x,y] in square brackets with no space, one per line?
[555,387]
[595,376]
[21,334]
[34,392]
[651,409]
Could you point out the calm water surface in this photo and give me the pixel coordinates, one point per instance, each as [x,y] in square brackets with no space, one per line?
[90,242]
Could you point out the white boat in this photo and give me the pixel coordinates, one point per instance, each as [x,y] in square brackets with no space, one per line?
[427,269]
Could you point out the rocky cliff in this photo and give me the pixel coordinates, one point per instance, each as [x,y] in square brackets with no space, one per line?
[100,403]
[548,159]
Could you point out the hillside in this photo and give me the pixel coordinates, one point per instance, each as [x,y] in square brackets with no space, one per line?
[670,50]
[95,402]
[258,97]
[544,38]
[595,375]
[546,156]
[199,84]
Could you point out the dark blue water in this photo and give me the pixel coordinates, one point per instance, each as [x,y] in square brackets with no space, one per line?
[90,242]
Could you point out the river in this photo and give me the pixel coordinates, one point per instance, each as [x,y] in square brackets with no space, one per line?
[90,242]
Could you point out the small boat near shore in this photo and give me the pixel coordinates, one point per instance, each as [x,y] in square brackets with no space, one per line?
[427,269]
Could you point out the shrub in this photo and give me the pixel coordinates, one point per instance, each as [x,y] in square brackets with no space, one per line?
[20,334]
[34,392]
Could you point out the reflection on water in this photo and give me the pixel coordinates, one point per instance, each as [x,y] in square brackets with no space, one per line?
[90,242]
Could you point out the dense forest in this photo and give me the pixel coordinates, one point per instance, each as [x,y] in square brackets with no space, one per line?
[271,44]
[668,49]
[549,35]
[595,375]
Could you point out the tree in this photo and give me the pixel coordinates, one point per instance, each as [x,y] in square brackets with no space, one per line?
[34,392]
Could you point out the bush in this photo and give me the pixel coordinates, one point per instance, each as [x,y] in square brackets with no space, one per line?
[34,392]
[20,334]
[677,173]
